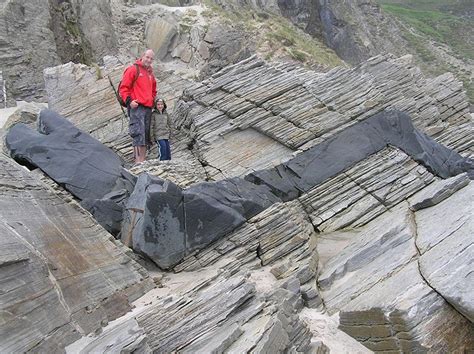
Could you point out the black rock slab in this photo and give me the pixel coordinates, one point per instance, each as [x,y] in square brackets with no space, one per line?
[74,159]
[154,221]
[108,211]
[166,223]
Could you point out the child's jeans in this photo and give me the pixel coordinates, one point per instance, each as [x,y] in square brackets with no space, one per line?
[164,151]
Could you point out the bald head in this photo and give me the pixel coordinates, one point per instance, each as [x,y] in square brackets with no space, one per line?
[147,57]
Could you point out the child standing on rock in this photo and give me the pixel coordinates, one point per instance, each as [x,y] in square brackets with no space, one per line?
[161,129]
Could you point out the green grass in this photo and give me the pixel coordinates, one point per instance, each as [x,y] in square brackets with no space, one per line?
[443,21]
[300,46]
[277,33]
[440,26]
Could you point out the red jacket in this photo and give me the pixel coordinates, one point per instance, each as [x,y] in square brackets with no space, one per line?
[143,90]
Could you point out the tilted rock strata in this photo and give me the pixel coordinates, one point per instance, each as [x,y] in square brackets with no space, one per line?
[391,293]
[213,210]
[62,275]
[444,239]
[226,319]
[213,310]
[281,237]
[352,145]
[297,108]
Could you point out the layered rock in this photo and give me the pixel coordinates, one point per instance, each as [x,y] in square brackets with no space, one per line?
[62,276]
[27,42]
[231,312]
[330,223]
[298,109]
[446,247]
[41,33]
[367,241]
[377,278]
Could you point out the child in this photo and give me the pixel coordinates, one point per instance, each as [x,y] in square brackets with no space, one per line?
[161,129]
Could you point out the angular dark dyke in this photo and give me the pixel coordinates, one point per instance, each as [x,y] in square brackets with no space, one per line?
[326,160]
[159,219]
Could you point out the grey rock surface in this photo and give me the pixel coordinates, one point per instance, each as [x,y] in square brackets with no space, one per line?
[108,211]
[439,191]
[403,313]
[348,244]
[296,109]
[230,316]
[356,143]
[66,278]
[447,248]
[27,42]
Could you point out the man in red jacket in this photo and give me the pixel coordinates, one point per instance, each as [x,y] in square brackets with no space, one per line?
[138,91]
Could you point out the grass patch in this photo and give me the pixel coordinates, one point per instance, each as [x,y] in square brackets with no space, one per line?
[438,21]
[299,45]
[275,34]
[441,21]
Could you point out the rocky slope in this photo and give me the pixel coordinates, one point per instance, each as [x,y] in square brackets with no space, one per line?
[198,39]
[353,224]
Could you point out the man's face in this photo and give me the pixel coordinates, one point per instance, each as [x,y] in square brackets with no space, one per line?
[147,58]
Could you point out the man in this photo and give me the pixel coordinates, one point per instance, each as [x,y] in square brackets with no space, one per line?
[139,92]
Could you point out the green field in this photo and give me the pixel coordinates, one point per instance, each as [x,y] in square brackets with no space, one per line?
[449,22]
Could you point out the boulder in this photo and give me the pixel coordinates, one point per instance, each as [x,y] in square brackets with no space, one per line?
[167,223]
[108,211]
[154,221]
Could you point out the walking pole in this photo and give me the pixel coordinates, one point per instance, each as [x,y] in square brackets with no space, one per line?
[117,96]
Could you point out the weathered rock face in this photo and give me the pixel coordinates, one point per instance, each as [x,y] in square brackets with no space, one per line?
[389,301]
[356,30]
[27,42]
[372,270]
[298,109]
[43,33]
[446,255]
[62,276]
